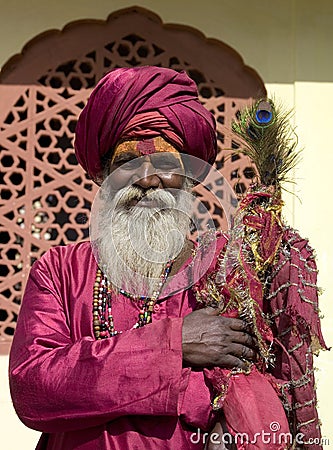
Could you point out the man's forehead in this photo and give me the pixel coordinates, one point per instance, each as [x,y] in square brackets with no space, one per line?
[145,147]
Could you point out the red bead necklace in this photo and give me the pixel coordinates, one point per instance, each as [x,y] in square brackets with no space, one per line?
[103,324]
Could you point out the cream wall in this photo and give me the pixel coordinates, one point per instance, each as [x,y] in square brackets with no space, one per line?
[13,434]
[290,44]
[314,118]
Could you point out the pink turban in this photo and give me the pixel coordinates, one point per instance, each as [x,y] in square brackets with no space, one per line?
[143,101]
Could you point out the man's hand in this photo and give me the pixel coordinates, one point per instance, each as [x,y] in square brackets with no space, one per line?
[212,340]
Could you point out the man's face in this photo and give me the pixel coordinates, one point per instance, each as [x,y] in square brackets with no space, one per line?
[148,164]
[144,214]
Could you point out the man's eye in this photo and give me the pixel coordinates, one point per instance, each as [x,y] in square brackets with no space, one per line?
[169,164]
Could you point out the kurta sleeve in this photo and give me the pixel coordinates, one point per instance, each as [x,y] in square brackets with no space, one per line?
[59,383]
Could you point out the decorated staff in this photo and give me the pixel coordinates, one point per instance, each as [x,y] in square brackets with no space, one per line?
[278,388]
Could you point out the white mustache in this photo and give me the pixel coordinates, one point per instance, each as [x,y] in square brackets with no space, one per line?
[161,197]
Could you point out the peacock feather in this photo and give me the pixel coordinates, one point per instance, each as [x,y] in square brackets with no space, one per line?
[269,141]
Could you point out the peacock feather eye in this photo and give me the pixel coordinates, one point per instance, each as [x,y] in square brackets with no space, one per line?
[264,113]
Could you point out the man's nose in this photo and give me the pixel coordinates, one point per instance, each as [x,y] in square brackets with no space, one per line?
[146,176]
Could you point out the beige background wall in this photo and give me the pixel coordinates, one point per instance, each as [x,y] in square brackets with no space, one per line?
[290,44]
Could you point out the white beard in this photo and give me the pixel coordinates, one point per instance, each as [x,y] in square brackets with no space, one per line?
[136,242]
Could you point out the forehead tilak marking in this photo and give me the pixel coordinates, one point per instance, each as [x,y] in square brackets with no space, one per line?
[145,147]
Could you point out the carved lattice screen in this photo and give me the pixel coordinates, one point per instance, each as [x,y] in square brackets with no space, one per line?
[45,196]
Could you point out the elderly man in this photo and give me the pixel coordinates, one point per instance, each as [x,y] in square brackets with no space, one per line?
[89,378]
[110,351]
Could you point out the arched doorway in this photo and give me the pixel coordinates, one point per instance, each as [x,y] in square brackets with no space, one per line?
[46,196]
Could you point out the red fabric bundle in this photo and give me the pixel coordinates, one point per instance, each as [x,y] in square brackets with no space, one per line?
[278,406]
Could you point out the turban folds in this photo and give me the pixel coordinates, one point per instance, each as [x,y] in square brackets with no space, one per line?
[143,101]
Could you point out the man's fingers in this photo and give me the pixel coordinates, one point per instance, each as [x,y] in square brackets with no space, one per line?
[244,339]
[210,339]
[232,362]
[210,311]
[247,339]
[242,352]
[236,324]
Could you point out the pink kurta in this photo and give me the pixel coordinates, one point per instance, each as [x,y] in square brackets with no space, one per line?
[131,391]
[126,392]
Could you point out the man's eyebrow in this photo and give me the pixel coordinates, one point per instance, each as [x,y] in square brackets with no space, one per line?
[124,156]
[165,156]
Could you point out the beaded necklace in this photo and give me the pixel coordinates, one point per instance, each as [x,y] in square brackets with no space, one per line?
[103,324]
